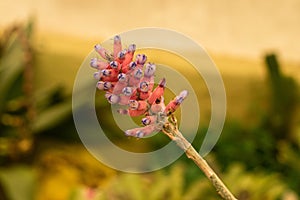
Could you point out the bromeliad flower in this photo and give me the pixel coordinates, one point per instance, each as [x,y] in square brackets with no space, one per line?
[130,83]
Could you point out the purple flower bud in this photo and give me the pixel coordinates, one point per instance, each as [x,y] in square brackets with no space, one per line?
[106,72]
[140,134]
[128,133]
[93,63]
[107,85]
[150,69]
[114,64]
[127,91]
[117,38]
[97,75]
[112,98]
[144,87]
[146,121]
[121,54]
[162,83]
[122,77]
[98,47]
[183,94]
[100,85]
[133,104]
[141,59]
[138,73]
[131,48]
[132,65]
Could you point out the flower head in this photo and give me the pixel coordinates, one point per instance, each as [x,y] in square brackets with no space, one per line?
[130,82]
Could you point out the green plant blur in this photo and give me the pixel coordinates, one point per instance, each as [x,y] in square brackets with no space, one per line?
[41,156]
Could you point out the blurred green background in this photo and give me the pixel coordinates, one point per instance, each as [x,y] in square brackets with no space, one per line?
[255,46]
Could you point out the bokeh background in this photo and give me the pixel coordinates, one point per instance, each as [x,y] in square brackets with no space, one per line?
[255,44]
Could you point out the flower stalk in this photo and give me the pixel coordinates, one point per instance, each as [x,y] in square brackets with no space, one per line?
[170,128]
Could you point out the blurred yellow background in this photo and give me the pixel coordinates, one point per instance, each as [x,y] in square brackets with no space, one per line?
[244,28]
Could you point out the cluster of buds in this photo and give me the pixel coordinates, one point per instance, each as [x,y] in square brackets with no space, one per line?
[130,82]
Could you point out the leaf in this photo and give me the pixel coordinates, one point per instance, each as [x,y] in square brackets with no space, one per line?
[52,116]
[19,182]
[11,66]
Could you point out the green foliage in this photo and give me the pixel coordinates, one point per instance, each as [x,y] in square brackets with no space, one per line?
[256,147]
[16,106]
[255,185]
[288,158]
[150,186]
[24,111]
[283,100]
[270,145]
[162,185]
[19,182]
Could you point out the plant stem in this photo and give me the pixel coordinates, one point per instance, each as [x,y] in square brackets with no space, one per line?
[170,128]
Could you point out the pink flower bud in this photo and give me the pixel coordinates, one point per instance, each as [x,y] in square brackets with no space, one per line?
[102,52]
[101,85]
[128,58]
[149,69]
[112,74]
[117,46]
[157,106]
[125,97]
[141,59]
[142,131]
[144,91]
[121,84]
[112,98]
[149,120]
[135,79]
[98,75]
[138,105]
[132,113]
[114,65]
[175,103]
[132,48]
[121,55]
[132,65]
[158,91]
[98,64]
